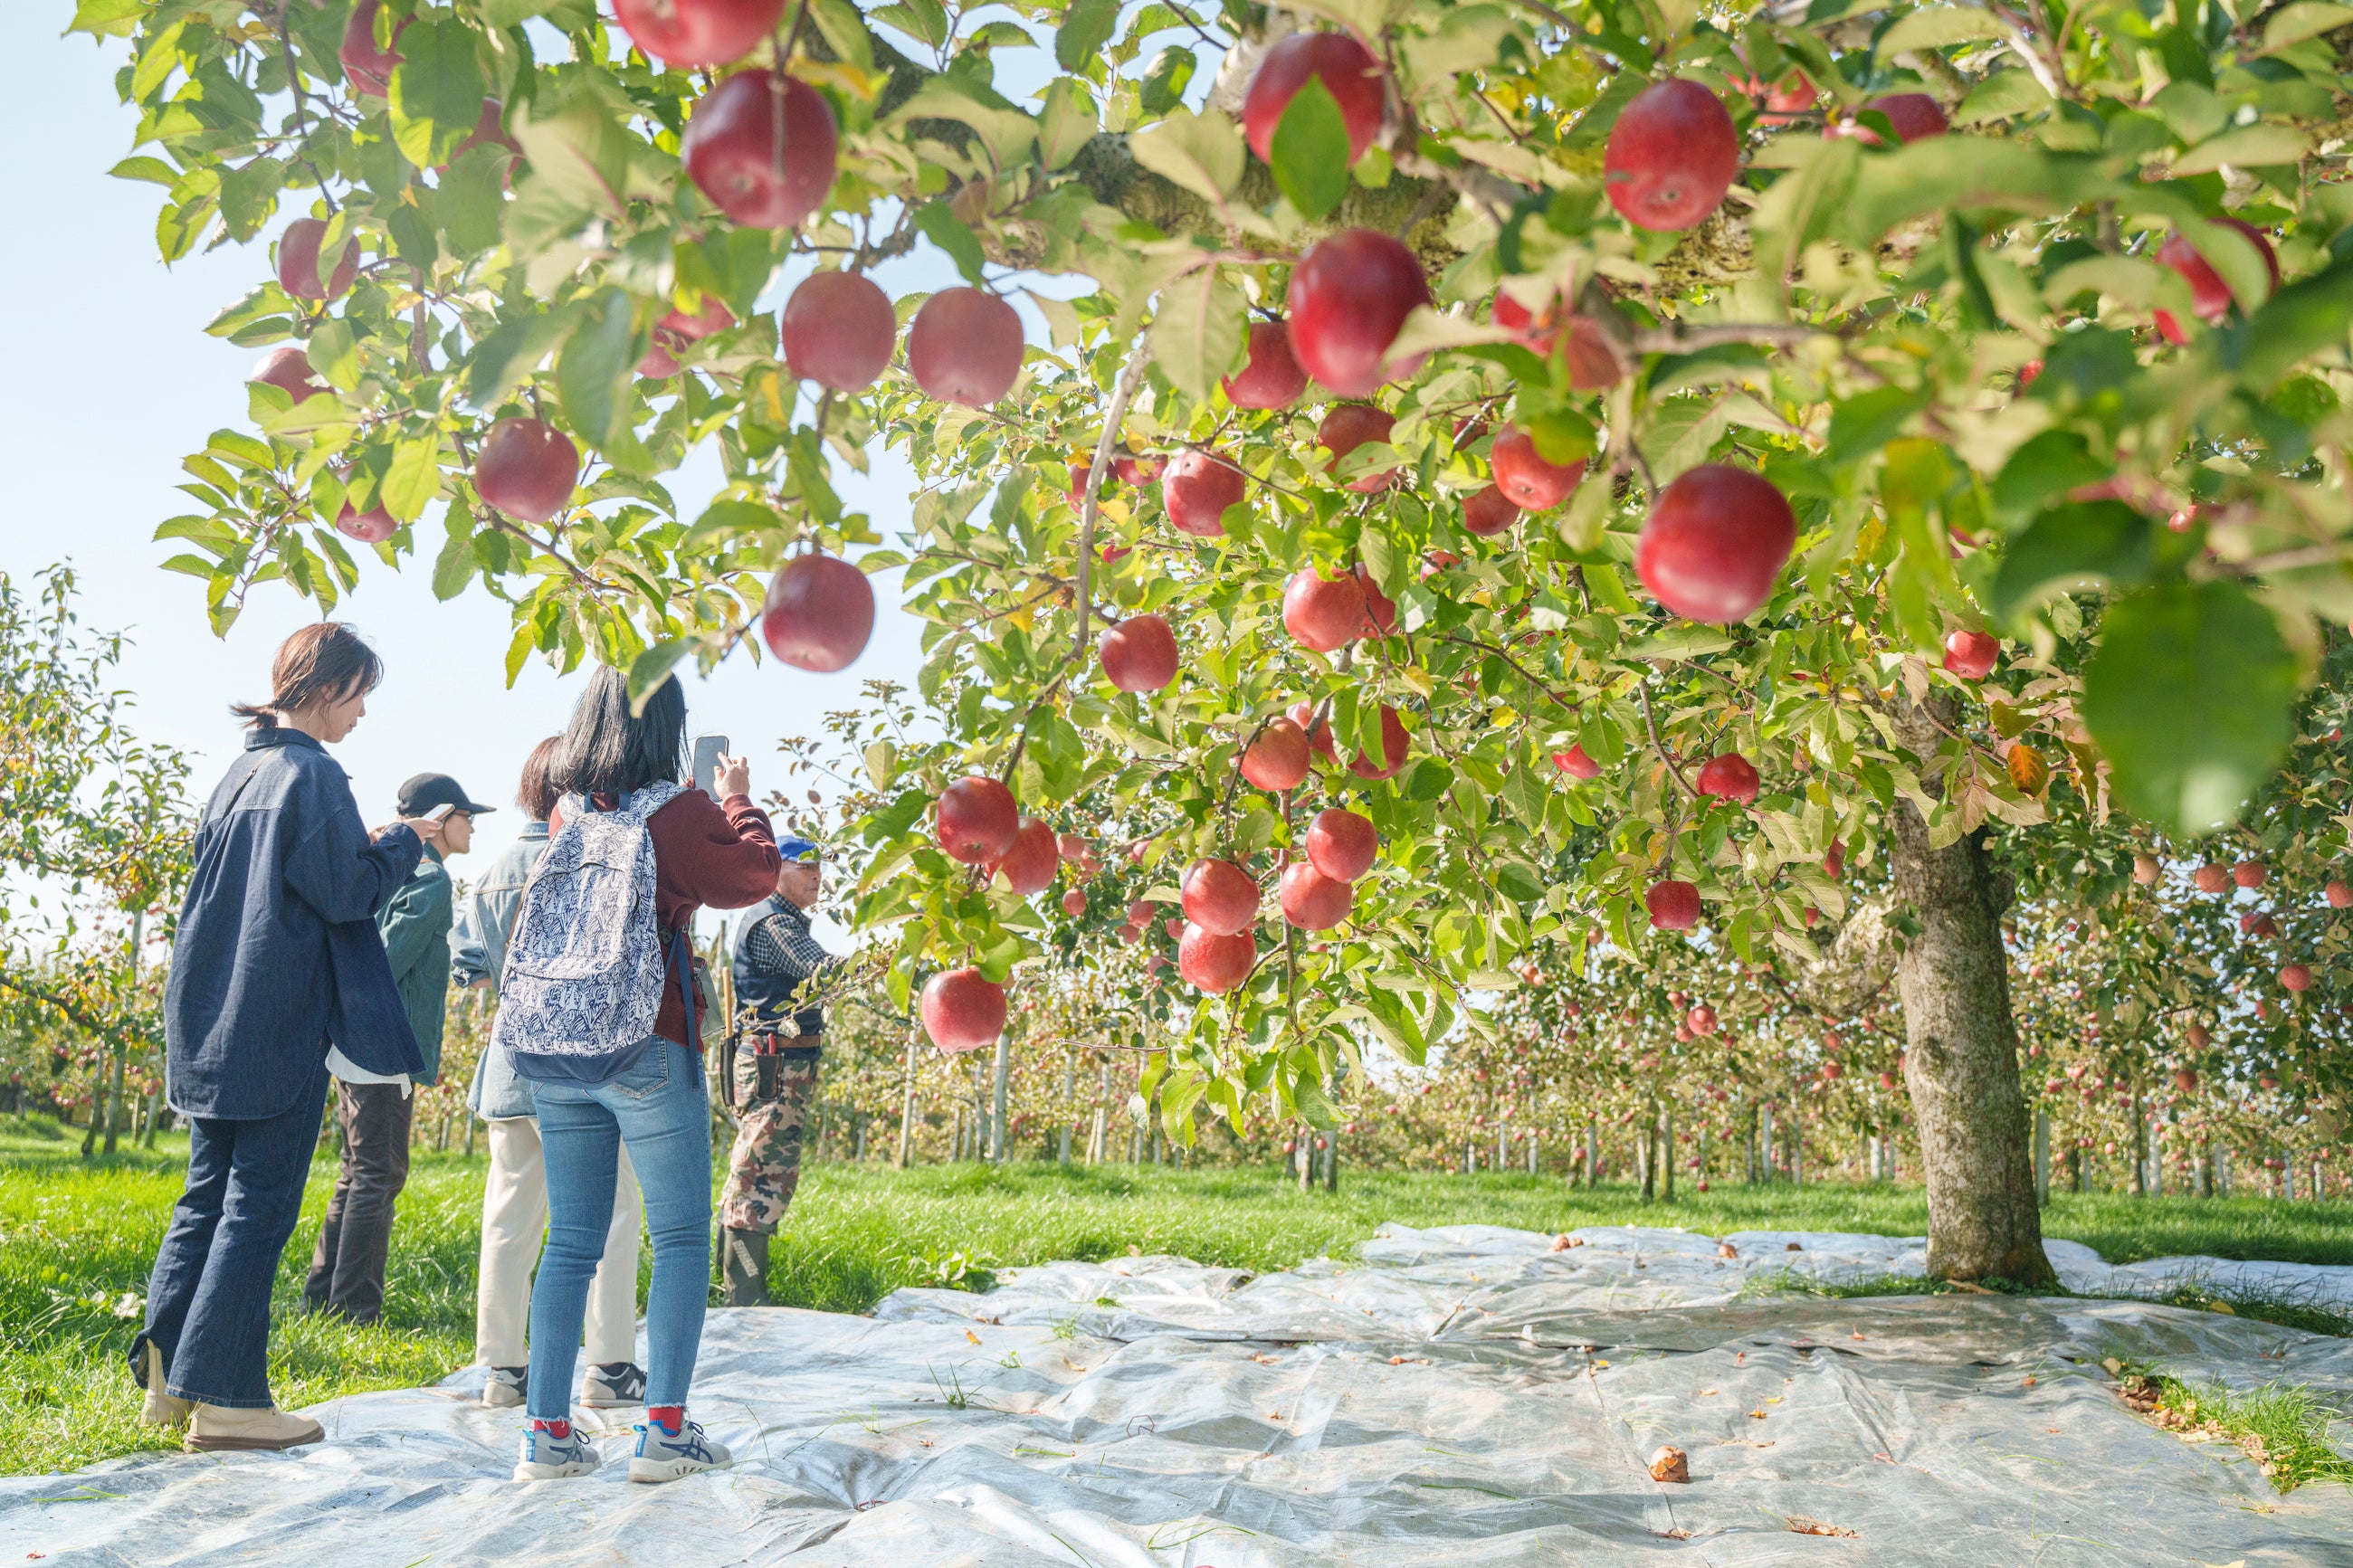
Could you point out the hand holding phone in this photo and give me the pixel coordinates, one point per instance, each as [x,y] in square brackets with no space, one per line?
[708,751]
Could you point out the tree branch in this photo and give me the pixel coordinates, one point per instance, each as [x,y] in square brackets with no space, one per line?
[1130,376]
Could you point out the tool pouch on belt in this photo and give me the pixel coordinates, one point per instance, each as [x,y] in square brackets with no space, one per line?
[727,1049]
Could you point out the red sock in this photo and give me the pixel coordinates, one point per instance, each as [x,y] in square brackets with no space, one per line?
[669,1417]
[557,1428]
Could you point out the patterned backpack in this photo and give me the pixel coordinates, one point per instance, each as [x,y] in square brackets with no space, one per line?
[586,964]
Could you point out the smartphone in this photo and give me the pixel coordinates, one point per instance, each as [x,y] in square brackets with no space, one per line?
[707,751]
[440,814]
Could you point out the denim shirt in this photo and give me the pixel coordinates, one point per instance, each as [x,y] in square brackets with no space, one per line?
[478,947]
[277,954]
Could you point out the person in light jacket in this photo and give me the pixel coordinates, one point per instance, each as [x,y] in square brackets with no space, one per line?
[514,1200]
[275,962]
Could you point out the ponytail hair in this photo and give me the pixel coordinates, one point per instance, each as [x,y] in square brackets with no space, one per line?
[327,660]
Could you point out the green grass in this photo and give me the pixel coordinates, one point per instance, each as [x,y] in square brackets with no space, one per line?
[76,1238]
[2284,1428]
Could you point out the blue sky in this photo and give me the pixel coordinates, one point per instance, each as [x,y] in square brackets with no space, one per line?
[115,381]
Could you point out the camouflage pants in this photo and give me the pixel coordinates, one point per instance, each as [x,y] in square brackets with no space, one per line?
[765,1166]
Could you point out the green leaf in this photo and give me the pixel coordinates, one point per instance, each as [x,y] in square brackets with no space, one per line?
[454,567]
[576,153]
[414,478]
[844,31]
[1869,420]
[1165,79]
[1086,29]
[2308,316]
[2191,698]
[2079,545]
[1309,152]
[1203,153]
[154,171]
[437,90]
[1004,130]
[473,199]
[2249,145]
[1197,333]
[1067,122]
[954,237]
[2050,464]
[515,348]
[595,380]
[651,668]
[107,18]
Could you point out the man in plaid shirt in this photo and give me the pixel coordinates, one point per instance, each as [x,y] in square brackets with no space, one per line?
[775,1075]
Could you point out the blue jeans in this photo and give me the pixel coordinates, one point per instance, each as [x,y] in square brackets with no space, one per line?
[208,1296]
[661,1111]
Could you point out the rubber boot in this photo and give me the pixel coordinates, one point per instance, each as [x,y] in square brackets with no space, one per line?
[744,1263]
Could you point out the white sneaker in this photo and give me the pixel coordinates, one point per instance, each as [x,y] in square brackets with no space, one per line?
[548,1457]
[215,1428]
[662,1457]
[617,1384]
[505,1387]
[159,1409]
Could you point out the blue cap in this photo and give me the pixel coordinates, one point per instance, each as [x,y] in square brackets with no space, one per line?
[798,849]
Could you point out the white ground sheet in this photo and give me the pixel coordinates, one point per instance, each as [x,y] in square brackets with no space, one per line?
[1459,1396]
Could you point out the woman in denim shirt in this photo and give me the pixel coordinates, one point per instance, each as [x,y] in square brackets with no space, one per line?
[514,1201]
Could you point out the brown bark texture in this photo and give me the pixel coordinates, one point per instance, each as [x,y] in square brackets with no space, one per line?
[1961,1061]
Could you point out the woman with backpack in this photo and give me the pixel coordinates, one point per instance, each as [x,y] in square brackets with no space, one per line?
[278,976]
[602,1012]
[514,1197]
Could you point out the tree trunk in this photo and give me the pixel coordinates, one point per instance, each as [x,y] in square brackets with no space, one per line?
[1962,1060]
[997,1097]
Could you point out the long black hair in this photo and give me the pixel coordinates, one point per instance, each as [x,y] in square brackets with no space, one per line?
[606,749]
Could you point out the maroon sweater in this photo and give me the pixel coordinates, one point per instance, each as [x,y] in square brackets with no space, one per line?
[720,852]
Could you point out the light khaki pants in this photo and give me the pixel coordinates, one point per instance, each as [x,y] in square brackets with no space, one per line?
[514,1220]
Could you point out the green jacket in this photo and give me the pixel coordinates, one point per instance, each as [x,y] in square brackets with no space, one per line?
[416,926]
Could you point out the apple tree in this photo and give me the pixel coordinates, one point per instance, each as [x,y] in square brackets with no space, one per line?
[1505,468]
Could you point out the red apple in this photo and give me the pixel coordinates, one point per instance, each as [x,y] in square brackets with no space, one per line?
[1173,928]
[698,32]
[1031,864]
[1524,476]
[297,261]
[1341,844]
[962,1010]
[1834,862]
[1593,364]
[1317,730]
[373,526]
[1915,115]
[1348,297]
[2186,1080]
[368,64]
[1701,1019]
[1728,777]
[2296,977]
[1395,749]
[819,614]
[1575,763]
[1139,654]
[1347,70]
[2248,873]
[839,330]
[1322,613]
[2209,296]
[527,469]
[287,369]
[1380,610]
[1349,425]
[1278,759]
[2211,878]
[1488,513]
[2339,895]
[1673,905]
[1196,488]
[1270,377]
[1786,99]
[1208,962]
[1971,655]
[1312,900]
[1714,543]
[1142,912]
[677,330]
[730,150]
[978,820]
[1671,156]
[1220,897]
[1075,903]
[964,346]
[2144,870]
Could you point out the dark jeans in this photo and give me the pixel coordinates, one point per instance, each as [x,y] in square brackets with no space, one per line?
[347,1271]
[208,1297]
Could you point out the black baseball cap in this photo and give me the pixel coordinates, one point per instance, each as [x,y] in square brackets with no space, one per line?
[427,791]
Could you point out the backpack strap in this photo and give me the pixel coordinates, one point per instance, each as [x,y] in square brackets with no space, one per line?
[681,958]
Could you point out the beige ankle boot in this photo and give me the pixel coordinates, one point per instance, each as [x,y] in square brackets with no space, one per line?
[159,1409]
[215,1429]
